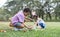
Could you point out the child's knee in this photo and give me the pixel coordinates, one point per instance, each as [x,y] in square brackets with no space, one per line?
[42,25]
[11,25]
[22,26]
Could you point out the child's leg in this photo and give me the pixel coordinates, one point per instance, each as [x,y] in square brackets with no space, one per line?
[16,26]
[16,29]
[19,25]
[42,25]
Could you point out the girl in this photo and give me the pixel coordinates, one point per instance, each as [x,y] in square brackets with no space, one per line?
[40,22]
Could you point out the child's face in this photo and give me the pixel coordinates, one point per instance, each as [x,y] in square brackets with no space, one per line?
[26,13]
[39,19]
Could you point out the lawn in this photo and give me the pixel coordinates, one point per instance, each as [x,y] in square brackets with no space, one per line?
[52,30]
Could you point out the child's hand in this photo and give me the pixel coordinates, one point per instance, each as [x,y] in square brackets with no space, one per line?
[35,23]
[30,27]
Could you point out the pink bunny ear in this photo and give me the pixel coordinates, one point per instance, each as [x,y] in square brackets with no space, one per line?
[33,13]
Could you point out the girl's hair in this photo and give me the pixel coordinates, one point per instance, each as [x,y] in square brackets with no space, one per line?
[35,16]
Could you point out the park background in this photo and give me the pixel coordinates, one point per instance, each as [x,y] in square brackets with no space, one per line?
[48,10]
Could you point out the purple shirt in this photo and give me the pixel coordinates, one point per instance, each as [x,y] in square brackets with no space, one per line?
[19,17]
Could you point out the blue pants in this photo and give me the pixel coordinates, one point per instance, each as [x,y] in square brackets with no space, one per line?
[42,25]
[17,24]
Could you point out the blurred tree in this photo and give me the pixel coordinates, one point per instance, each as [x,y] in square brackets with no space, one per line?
[14,6]
[57,12]
[57,9]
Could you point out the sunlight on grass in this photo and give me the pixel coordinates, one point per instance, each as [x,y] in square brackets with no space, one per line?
[52,30]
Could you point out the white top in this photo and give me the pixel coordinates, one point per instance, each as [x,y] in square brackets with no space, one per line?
[40,21]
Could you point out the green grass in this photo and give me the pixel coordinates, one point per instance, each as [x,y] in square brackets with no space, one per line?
[52,30]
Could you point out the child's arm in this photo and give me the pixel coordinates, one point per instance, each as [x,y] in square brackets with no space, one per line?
[29,19]
[26,26]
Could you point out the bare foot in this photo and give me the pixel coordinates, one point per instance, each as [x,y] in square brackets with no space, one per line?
[2,31]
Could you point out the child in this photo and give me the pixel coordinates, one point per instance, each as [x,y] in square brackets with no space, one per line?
[17,21]
[40,22]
